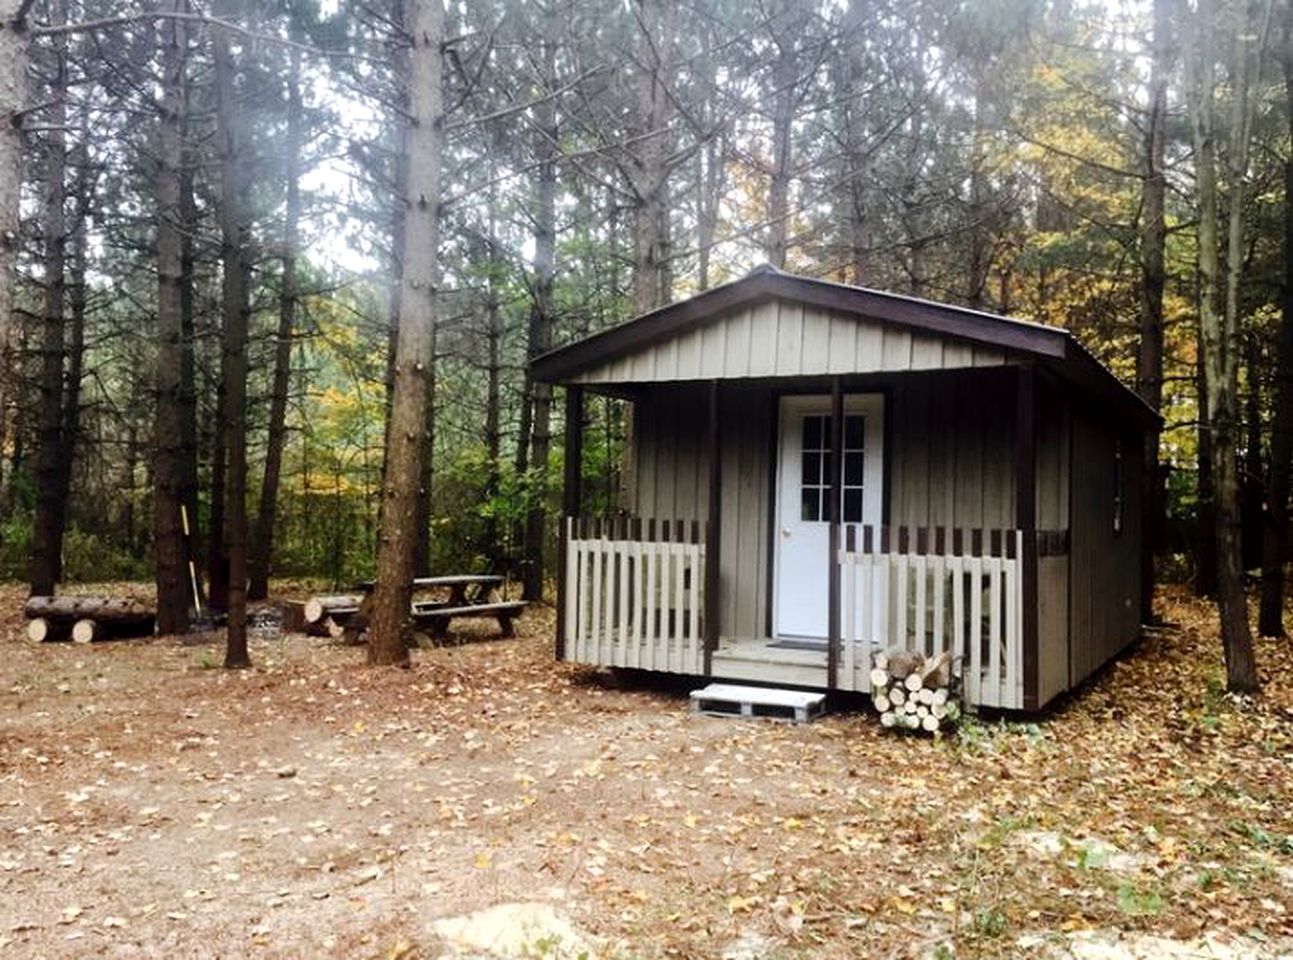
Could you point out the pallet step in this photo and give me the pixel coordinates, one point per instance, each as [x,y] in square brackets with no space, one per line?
[731,700]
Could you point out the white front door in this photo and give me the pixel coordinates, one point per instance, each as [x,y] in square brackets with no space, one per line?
[801,577]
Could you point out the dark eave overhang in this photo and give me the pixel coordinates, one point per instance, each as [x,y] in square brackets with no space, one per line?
[1054,347]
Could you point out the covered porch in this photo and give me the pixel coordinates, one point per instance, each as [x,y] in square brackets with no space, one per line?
[786,531]
[636,598]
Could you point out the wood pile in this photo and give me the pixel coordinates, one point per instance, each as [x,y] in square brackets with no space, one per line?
[911,692]
[86,619]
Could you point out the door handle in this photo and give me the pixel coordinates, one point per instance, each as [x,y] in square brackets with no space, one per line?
[785,533]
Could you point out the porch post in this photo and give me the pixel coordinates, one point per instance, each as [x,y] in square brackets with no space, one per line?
[1026,521]
[713,526]
[836,466]
[570,499]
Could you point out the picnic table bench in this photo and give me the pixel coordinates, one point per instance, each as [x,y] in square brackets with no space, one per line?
[469,595]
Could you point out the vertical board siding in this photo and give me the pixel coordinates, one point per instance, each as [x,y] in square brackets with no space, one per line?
[951,451]
[1104,614]
[785,338]
[672,465]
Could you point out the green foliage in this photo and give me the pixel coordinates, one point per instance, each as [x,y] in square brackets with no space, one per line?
[1139,900]
[88,557]
[989,922]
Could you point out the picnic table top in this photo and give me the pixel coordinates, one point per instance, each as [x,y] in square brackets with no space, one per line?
[451,580]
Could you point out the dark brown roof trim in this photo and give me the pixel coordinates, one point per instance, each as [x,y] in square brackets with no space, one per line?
[972,326]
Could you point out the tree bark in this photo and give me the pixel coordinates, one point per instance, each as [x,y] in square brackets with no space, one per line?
[542,320]
[168,538]
[235,308]
[784,78]
[650,254]
[262,546]
[1219,329]
[13,98]
[1149,354]
[190,485]
[414,354]
[47,546]
[1270,622]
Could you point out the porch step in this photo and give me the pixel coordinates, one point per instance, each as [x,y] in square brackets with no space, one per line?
[729,700]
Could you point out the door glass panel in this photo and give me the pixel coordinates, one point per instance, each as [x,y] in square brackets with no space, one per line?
[853,468]
[812,468]
[853,506]
[810,512]
[854,431]
[814,476]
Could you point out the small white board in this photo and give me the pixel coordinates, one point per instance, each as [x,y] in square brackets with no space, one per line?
[730,700]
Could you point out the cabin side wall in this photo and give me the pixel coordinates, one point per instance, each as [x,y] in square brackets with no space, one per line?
[1053,428]
[1104,614]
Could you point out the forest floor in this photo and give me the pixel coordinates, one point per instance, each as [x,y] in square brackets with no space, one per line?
[152,804]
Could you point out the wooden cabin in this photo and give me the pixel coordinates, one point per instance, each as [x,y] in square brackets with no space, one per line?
[818,472]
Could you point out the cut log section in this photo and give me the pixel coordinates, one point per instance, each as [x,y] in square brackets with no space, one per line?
[87,618]
[327,616]
[87,631]
[117,610]
[43,630]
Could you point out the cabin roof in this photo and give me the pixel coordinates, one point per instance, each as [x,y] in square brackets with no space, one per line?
[1053,347]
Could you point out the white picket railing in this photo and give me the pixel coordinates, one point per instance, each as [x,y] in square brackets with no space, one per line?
[634,601]
[968,603]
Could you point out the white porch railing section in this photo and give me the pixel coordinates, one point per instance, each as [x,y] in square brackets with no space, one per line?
[967,600]
[634,594]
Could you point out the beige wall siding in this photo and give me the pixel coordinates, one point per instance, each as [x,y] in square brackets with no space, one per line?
[673,482]
[780,338]
[1052,514]
[1104,613]
[950,444]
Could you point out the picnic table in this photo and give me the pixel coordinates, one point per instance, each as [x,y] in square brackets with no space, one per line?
[469,595]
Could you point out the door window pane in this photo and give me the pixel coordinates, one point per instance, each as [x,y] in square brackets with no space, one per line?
[854,431]
[812,474]
[853,506]
[810,510]
[853,468]
[813,433]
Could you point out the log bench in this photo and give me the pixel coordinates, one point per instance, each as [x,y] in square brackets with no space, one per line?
[437,616]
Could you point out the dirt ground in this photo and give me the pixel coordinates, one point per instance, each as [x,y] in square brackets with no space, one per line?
[152,804]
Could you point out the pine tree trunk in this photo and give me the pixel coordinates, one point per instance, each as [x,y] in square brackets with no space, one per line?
[168,538]
[541,323]
[493,378]
[1149,355]
[47,546]
[784,80]
[1275,532]
[233,359]
[13,99]
[77,293]
[414,354]
[1219,331]
[262,546]
[190,485]
[650,256]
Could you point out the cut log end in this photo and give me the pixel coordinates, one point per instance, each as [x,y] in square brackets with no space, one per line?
[86,631]
[42,630]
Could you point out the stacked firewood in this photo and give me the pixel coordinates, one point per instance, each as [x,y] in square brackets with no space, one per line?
[911,692]
[86,619]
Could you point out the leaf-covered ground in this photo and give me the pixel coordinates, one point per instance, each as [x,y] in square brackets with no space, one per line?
[154,805]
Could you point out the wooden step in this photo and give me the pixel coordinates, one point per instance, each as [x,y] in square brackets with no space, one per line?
[731,700]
